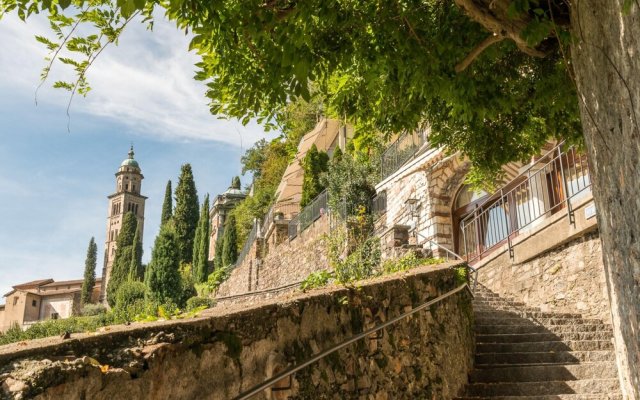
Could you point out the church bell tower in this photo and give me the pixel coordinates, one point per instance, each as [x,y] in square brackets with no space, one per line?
[127,198]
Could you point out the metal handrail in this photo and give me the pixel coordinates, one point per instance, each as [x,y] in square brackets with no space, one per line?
[530,199]
[276,289]
[273,380]
[472,271]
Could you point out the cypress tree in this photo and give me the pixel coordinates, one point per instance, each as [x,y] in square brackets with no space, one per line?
[89,272]
[163,272]
[136,273]
[201,245]
[230,242]
[186,214]
[314,164]
[167,205]
[217,257]
[123,256]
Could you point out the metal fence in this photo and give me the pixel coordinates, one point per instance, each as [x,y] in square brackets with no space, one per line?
[247,245]
[401,151]
[308,215]
[545,188]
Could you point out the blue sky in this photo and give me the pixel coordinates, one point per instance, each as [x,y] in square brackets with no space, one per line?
[54,183]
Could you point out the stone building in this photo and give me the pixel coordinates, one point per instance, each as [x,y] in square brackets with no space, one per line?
[127,198]
[220,208]
[31,302]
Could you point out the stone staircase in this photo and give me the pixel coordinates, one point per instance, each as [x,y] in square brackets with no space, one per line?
[525,354]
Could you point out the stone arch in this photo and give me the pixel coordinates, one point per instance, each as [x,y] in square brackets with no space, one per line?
[445,179]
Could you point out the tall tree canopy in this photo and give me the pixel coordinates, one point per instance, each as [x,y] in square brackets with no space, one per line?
[494,78]
[163,273]
[167,205]
[201,244]
[186,213]
[315,163]
[136,271]
[229,242]
[122,259]
[89,272]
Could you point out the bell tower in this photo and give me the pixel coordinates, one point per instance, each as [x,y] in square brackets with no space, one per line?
[127,198]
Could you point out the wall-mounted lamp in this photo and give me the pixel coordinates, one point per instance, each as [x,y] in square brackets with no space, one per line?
[412,207]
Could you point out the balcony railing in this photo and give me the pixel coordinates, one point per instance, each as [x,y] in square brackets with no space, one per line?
[318,207]
[247,245]
[545,188]
[401,151]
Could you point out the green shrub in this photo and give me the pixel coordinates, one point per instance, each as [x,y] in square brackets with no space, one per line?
[93,309]
[316,280]
[361,263]
[199,302]
[408,261]
[129,293]
[56,327]
[214,280]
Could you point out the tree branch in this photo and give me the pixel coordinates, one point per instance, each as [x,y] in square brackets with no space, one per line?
[482,46]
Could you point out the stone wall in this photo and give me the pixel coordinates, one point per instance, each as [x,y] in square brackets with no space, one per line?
[433,179]
[426,356]
[557,267]
[569,278]
[286,263]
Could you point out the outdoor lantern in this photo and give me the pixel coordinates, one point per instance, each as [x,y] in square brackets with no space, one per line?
[412,207]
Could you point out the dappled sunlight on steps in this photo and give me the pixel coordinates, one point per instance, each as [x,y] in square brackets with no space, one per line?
[523,353]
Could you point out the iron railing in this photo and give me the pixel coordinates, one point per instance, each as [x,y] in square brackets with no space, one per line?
[289,210]
[401,151]
[367,333]
[544,188]
[247,245]
[318,207]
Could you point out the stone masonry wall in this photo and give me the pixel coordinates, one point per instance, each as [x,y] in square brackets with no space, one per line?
[433,179]
[285,264]
[229,350]
[569,278]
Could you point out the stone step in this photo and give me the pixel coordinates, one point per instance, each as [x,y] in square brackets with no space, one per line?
[504,308]
[601,396]
[585,386]
[542,337]
[496,301]
[538,321]
[545,373]
[523,314]
[538,347]
[509,329]
[564,357]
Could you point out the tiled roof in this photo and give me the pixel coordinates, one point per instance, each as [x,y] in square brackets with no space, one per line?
[33,284]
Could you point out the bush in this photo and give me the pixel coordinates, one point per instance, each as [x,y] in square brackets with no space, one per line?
[214,280]
[408,261]
[93,309]
[56,327]
[316,280]
[199,302]
[360,263]
[129,293]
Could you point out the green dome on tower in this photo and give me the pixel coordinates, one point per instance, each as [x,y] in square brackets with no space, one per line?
[130,162]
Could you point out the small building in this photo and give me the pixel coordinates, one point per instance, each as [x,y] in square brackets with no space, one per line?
[35,301]
[222,205]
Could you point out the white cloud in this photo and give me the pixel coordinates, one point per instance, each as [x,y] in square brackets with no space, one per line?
[146,82]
